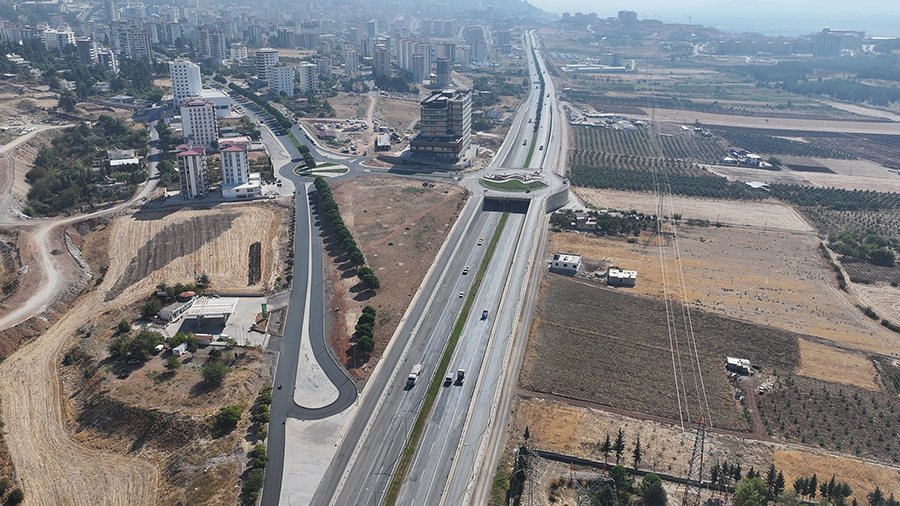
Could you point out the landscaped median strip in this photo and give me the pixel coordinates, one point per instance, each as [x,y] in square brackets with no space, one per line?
[418,428]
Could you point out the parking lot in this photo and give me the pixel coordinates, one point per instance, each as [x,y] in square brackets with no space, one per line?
[239,326]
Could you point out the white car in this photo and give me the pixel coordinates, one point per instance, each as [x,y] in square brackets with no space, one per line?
[460,295]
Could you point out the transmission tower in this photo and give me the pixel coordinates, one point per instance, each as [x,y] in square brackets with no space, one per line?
[695,471]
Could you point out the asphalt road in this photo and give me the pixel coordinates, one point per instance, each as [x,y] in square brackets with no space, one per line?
[448,419]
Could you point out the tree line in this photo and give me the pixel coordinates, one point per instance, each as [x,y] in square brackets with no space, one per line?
[332,215]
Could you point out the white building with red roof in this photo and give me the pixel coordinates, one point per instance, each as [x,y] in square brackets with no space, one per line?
[192,171]
[237,181]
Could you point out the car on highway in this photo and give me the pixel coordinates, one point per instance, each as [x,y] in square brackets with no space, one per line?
[541,148]
[484,314]
[466,270]
[460,376]
[480,241]
[461,295]
[448,379]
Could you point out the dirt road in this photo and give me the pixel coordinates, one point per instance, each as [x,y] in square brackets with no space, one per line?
[52,468]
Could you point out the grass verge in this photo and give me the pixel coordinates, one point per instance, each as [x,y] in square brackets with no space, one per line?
[393,491]
[293,139]
[513,185]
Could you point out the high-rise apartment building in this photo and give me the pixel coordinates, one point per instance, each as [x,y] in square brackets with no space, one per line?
[445,126]
[237,181]
[281,79]
[324,64]
[56,40]
[443,72]
[479,51]
[198,122]
[474,33]
[212,44]
[265,59]
[351,62]
[87,50]
[185,79]
[382,62]
[137,44]
[308,77]
[192,171]
[108,60]
[287,38]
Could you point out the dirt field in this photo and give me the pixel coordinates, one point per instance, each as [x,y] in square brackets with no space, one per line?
[57,464]
[829,364]
[770,214]
[400,226]
[860,475]
[767,277]
[188,243]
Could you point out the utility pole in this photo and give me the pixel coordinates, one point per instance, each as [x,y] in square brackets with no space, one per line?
[695,472]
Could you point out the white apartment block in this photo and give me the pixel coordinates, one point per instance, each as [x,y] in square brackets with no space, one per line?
[265,59]
[281,79]
[56,40]
[237,181]
[185,79]
[198,122]
[351,62]
[192,171]
[309,77]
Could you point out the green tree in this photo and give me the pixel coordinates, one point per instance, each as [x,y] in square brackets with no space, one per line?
[883,256]
[365,343]
[140,346]
[636,454]
[368,278]
[214,373]
[67,101]
[875,497]
[605,449]
[253,484]
[258,456]
[180,337]
[619,445]
[227,419]
[750,492]
[172,363]
[124,327]
[150,308]
[262,414]
[788,498]
[652,491]
[15,497]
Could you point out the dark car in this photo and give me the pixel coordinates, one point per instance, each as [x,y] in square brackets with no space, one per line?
[124,373]
[484,314]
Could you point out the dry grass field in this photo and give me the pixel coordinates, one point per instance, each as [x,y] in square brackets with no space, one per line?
[400,226]
[770,214]
[830,364]
[859,474]
[768,277]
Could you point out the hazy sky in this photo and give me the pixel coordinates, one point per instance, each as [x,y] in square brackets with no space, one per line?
[772,17]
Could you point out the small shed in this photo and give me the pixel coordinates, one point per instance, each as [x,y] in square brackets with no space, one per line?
[179,350]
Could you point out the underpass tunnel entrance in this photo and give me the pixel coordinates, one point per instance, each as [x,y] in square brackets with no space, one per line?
[501,204]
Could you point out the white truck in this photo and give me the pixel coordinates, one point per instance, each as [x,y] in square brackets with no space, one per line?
[414,375]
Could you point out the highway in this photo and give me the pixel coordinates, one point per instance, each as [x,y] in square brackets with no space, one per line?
[450,457]
[450,454]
